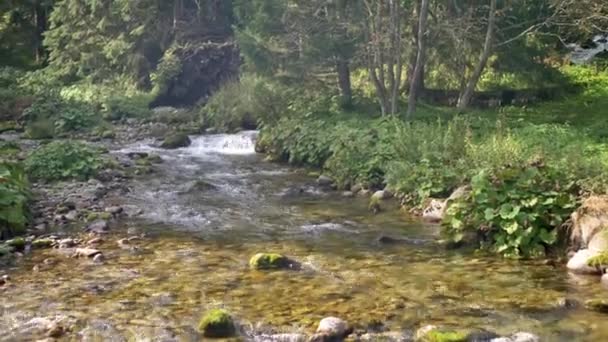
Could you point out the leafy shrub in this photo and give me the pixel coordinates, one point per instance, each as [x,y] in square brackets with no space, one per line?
[244,103]
[119,107]
[14,195]
[42,128]
[66,116]
[169,68]
[63,160]
[517,209]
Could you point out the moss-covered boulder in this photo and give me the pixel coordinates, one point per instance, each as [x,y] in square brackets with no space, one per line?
[176,140]
[597,305]
[217,323]
[271,261]
[17,243]
[42,243]
[431,333]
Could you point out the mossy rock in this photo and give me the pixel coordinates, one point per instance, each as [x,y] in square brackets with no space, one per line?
[94,216]
[600,260]
[108,135]
[433,334]
[270,261]
[42,243]
[17,243]
[176,140]
[597,305]
[217,323]
[155,159]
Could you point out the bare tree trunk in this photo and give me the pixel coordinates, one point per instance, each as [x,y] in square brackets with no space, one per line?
[396,55]
[344,81]
[467,94]
[420,58]
[40,14]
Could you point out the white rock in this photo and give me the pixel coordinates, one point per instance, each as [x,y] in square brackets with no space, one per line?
[281,338]
[86,252]
[578,262]
[334,327]
[381,195]
[434,210]
[324,180]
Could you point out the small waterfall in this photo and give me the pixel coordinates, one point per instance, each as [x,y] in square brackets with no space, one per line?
[239,143]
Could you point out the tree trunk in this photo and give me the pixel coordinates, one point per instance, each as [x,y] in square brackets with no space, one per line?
[344,81]
[420,58]
[467,94]
[41,24]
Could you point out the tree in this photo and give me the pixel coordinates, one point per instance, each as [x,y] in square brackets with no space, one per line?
[384,50]
[467,94]
[420,58]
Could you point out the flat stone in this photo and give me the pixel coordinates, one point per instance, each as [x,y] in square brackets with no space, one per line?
[115,210]
[86,252]
[67,243]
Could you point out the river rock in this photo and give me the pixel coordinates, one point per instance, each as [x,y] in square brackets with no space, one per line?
[98,227]
[382,195]
[115,210]
[348,194]
[43,243]
[281,338]
[605,280]
[325,181]
[356,188]
[67,243]
[599,242]
[332,329]
[597,305]
[99,258]
[217,323]
[267,261]
[518,337]
[86,252]
[55,331]
[389,336]
[176,140]
[579,263]
[72,215]
[434,211]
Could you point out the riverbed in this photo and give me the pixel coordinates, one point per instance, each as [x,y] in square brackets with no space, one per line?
[211,206]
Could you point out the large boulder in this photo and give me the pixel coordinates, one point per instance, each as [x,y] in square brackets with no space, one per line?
[580,262]
[588,220]
[204,67]
[436,208]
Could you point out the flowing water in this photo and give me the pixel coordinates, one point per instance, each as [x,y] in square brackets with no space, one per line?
[214,204]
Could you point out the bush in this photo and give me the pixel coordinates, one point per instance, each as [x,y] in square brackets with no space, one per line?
[119,107]
[245,103]
[63,160]
[518,210]
[65,116]
[14,195]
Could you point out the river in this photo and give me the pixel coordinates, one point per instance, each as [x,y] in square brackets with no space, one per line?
[214,204]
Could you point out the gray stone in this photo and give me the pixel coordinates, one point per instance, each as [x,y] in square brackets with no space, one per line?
[281,338]
[98,226]
[382,195]
[115,210]
[325,181]
[348,194]
[86,252]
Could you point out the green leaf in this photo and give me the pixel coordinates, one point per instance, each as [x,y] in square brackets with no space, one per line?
[508,211]
[511,228]
[547,237]
[489,214]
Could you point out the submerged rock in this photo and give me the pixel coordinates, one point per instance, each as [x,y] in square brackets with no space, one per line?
[17,243]
[217,323]
[597,305]
[266,261]
[431,333]
[325,181]
[176,140]
[281,338]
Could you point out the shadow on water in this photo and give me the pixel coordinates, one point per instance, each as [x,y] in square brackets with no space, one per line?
[214,204]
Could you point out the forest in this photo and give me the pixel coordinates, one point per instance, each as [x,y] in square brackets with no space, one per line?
[269,164]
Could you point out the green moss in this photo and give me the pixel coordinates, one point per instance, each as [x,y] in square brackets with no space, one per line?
[598,260]
[266,261]
[176,140]
[17,243]
[217,323]
[94,216]
[155,159]
[598,305]
[42,243]
[5,250]
[444,336]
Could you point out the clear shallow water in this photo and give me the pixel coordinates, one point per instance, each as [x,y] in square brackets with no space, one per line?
[201,235]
